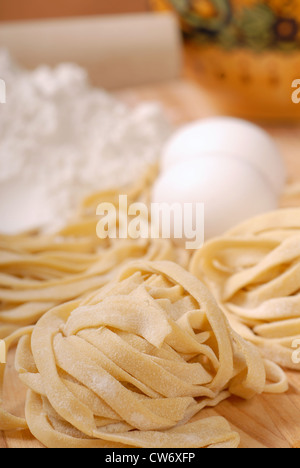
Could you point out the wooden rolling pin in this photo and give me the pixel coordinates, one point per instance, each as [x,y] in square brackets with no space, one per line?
[117,51]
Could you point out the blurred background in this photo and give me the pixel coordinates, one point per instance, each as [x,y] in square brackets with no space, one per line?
[195,58]
[35,9]
[243,53]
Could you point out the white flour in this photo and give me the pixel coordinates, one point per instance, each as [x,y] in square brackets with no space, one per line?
[61,139]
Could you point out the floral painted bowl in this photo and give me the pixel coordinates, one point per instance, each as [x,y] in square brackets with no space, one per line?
[246,51]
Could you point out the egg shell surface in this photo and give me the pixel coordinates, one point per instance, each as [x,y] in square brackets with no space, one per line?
[231,190]
[225,136]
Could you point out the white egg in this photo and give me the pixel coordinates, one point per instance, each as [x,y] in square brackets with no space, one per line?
[231,191]
[232,137]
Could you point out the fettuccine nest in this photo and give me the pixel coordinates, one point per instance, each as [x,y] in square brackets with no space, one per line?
[128,354]
[131,365]
[254,273]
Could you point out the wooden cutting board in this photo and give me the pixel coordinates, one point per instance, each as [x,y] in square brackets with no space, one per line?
[267,421]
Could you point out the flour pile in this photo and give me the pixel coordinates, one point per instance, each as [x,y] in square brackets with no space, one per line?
[61,139]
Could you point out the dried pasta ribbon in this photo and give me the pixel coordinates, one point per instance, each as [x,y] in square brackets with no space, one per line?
[135,362]
[254,272]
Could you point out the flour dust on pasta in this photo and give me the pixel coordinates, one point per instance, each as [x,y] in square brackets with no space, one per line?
[39,272]
[134,364]
[254,273]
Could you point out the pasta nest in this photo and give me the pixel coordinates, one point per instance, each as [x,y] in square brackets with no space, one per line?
[132,365]
[254,272]
[40,272]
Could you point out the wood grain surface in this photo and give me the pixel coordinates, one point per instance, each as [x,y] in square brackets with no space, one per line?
[267,421]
